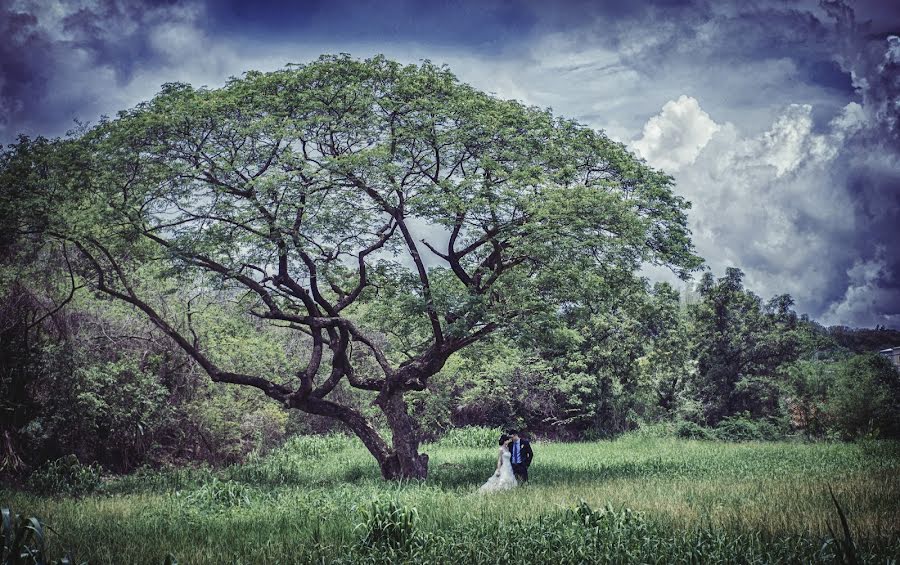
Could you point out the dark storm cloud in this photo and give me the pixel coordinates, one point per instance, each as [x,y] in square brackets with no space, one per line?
[740,36]
[871,162]
[24,56]
[98,31]
[828,74]
[53,55]
[874,60]
[866,288]
[485,25]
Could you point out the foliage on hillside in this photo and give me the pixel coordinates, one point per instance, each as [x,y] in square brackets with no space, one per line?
[94,380]
[864,340]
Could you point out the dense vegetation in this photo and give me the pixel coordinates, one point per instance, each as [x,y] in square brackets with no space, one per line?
[95,380]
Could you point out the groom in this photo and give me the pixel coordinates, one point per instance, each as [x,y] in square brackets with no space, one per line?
[521,456]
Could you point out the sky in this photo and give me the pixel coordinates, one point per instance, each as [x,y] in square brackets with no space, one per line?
[779,120]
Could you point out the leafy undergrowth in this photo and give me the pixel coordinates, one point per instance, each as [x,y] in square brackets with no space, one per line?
[637,499]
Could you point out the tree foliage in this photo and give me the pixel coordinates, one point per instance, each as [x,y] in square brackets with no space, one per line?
[741,346]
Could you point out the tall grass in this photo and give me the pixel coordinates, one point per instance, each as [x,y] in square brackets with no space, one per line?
[471,436]
[637,499]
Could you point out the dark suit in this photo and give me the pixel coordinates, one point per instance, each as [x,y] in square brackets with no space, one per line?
[520,470]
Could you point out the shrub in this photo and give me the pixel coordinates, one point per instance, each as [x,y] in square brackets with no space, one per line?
[264,428]
[219,495]
[294,461]
[165,479]
[737,429]
[769,431]
[810,382]
[471,436]
[65,476]
[608,522]
[692,430]
[741,427]
[652,430]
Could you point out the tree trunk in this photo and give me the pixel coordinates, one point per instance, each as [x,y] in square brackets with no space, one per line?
[401,460]
[404,461]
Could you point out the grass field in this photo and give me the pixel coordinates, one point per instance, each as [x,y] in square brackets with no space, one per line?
[636,499]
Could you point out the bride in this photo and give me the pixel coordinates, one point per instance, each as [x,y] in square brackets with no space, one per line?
[503,477]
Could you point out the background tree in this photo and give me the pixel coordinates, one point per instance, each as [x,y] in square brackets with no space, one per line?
[601,357]
[299,195]
[741,347]
[668,365]
[864,340]
[865,397]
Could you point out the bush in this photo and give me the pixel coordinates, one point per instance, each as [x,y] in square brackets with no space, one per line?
[691,430]
[810,384]
[166,479]
[219,495]
[471,436]
[741,427]
[737,428]
[65,476]
[293,462]
[770,431]
[608,522]
[652,430]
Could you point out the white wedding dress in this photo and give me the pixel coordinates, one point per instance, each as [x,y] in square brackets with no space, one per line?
[503,478]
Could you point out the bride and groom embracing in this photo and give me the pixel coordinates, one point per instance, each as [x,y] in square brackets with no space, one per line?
[512,463]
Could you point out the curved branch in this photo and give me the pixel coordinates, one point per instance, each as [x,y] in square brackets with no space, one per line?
[423,280]
[65,301]
[274,390]
[385,234]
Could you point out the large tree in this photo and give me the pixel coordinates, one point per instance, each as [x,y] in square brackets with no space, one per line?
[309,190]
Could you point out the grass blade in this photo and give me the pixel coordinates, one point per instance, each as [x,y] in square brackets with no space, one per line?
[848,548]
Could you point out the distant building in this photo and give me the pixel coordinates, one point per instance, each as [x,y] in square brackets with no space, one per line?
[893,355]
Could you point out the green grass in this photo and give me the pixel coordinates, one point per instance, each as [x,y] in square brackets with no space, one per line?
[636,499]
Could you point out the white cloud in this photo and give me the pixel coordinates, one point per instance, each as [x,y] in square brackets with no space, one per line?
[789,141]
[676,135]
[764,203]
[850,120]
